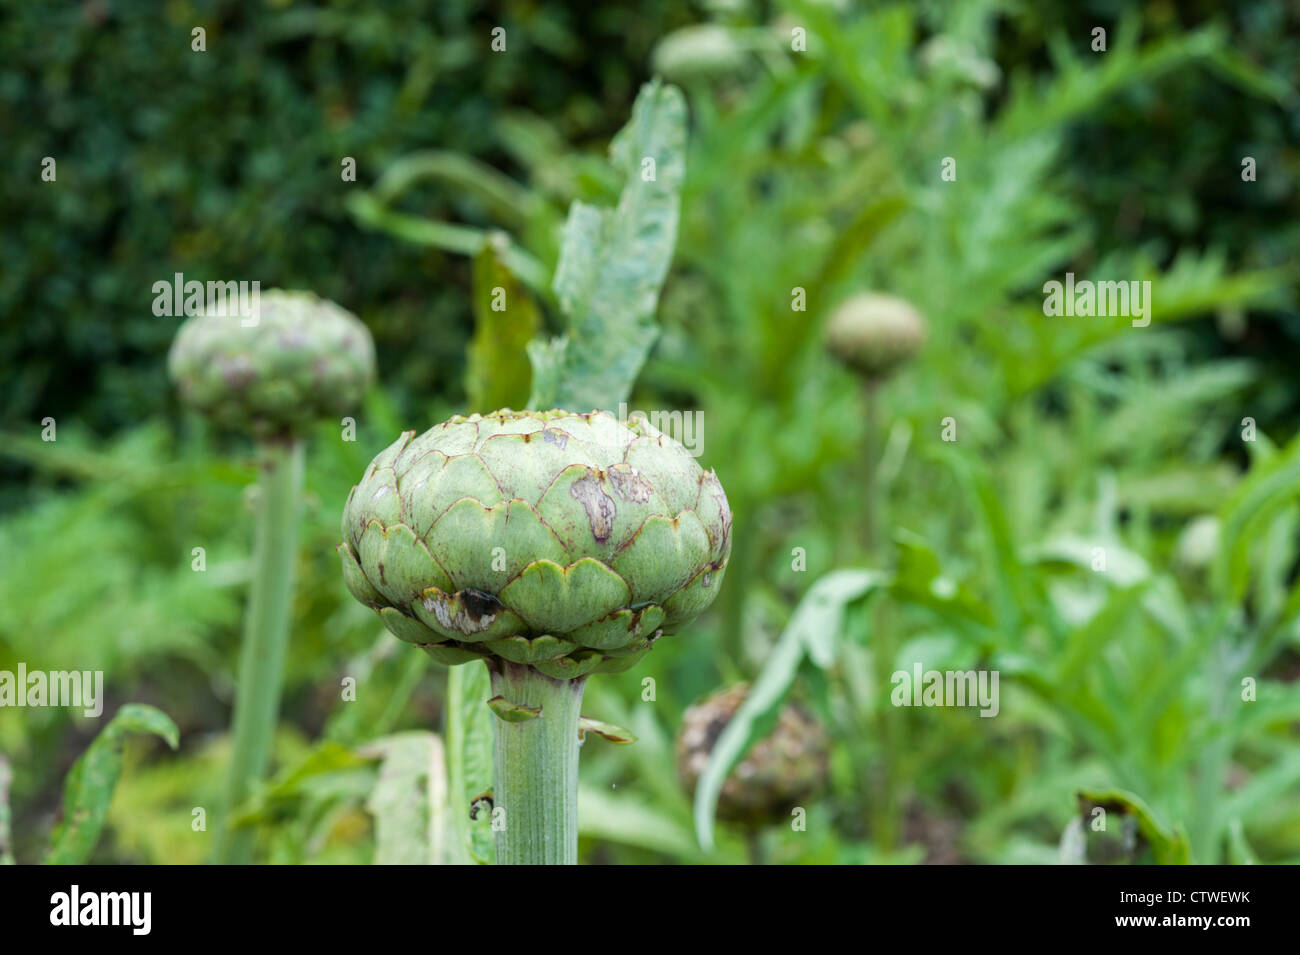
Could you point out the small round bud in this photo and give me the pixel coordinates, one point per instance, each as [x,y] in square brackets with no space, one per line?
[874,334]
[273,373]
[698,52]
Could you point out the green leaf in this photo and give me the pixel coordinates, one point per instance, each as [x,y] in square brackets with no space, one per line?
[613,263]
[628,822]
[814,628]
[919,580]
[458,239]
[818,620]
[88,790]
[506,199]
[409,801]
[293,782]
[1169,846]
[6,833]
[468,732]
[513,712]
[506,317]
[1271,486]
[615,734]
[1239,850]
[1271,786]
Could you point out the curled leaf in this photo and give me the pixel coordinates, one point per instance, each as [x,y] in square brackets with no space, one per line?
[615,734]
[513,712]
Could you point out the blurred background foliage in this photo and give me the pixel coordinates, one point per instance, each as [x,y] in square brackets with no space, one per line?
[816,170]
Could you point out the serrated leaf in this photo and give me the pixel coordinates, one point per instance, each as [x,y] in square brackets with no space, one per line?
[88,789]
[505,319]
[613,263]
[468,733]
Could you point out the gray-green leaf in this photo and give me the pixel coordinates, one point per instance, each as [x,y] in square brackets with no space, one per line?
[613,263]
[468,734]
[409,799]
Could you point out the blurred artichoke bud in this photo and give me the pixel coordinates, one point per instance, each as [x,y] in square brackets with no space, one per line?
[779,772]
[300,359]
[1198,543]
[565,542]
[698,52]
[874,334]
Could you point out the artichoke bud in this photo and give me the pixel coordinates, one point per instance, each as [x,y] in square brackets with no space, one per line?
[790,765]
[874,334]
[299,359]
[565,542]
[698,52]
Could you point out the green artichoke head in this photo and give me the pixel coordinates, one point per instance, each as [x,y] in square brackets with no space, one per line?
[780,771]
[297,359]
[873,334]
[567,542]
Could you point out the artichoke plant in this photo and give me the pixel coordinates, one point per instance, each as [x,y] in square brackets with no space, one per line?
[780,771]
[272,375]
[550,545]
[874,335]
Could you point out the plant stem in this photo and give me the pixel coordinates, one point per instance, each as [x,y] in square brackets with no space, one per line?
[535,768]
[730,651]
[266,637]
[870,453]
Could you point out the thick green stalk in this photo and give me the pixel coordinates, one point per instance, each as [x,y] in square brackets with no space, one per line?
[535,769]
[266,637]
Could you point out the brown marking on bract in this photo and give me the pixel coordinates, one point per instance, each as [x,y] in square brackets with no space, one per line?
[598,505]
[476,613]
[630,485]
[479,603]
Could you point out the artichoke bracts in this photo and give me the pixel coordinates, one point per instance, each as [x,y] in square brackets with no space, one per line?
[300,358]
[565,542]
[780,771]
[873,334]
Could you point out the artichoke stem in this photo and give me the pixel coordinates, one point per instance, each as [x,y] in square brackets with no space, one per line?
[266,637]
[871,454]
[535,765]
